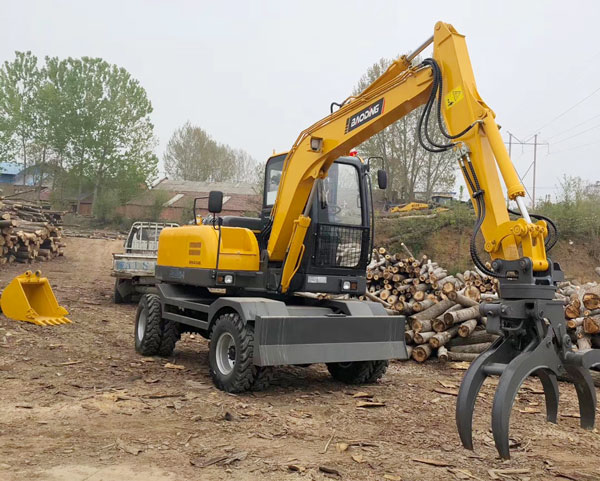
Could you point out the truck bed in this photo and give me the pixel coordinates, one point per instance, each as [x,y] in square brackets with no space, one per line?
[127,266]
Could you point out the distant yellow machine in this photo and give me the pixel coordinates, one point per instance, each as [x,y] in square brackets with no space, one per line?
[411,206]
[29,298]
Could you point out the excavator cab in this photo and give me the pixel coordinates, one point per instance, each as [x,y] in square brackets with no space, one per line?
[339,239]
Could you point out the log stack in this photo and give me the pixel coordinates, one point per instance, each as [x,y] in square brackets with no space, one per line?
[442,309]
[29,232]
[408,285]
[582,313]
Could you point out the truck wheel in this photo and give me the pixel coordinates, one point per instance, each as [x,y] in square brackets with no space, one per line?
[148,332]
[231,352]
[117,297]
[358,372]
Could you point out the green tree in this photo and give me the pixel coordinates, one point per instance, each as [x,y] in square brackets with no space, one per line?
[192,154]
[106,134]
[410,167]
[19,88]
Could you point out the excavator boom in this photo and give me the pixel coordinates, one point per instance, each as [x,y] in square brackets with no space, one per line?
[400,90]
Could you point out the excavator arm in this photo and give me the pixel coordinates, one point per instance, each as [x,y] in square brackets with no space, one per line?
[530,323]
[447,78]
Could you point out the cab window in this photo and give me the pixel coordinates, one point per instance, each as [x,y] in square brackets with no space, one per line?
[272,179]
[339,196]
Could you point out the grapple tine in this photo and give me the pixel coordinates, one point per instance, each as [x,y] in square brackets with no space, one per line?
[586,394]
[519,369]
[471,385]
[551,394]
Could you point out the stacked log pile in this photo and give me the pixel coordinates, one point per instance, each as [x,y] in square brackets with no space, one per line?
[29,232]
[409,286]
[442,310]
[582,313]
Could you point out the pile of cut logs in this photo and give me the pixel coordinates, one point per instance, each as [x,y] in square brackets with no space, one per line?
[409,286]
[29,232]
[582,313]
[442,310]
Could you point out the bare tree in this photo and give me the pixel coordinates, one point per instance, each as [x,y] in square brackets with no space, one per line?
[192,154]
[410,167]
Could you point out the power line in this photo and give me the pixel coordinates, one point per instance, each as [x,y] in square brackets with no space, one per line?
[574,148]
[567,111]
[578,134]
[535,144]
[574,127]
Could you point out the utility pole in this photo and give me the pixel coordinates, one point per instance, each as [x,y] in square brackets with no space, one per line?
[535,144]
[534,168]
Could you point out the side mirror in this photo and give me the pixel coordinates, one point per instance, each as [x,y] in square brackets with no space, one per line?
[382,179]
[215,201]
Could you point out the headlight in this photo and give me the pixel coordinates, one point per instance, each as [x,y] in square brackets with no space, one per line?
[228,279]
[346,285]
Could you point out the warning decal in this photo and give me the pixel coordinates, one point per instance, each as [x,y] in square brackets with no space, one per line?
[454,96]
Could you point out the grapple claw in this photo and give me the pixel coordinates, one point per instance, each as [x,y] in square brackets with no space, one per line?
[586,394]
[539,359]
[499,351]
[534,341]
[550,384]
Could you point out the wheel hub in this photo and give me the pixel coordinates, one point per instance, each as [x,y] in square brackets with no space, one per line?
[225,353]
[141,325]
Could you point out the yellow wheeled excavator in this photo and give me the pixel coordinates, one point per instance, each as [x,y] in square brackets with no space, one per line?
[315,235]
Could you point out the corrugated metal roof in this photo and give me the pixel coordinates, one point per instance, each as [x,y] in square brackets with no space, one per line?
[10,168]
[190,186]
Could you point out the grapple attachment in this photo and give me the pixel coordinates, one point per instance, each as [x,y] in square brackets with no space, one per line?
[533,342]
[29,298]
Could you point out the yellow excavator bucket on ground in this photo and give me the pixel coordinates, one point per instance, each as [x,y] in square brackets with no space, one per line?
[29,298]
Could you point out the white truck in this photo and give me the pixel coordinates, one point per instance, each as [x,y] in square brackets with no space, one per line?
[134,270]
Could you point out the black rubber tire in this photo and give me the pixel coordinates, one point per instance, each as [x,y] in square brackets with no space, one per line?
[264,377]
[117,297]
[148,343]
[170,335]
[358,372]
[244,372]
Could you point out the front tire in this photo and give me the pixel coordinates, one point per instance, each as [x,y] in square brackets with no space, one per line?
[358,372]
[231,354]
[153,334]
[148,332]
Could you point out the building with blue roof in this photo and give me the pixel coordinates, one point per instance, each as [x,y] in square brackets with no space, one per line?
[9,172]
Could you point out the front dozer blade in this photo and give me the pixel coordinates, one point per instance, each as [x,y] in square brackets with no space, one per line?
[29,298]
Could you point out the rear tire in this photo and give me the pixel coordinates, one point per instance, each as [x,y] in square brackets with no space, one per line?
[231,354]
[358,372]
[153,334]
[170,335]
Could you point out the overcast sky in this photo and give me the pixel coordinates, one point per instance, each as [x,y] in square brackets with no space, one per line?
[254,74]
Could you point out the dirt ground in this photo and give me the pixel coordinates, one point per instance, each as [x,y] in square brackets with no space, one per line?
[78,403]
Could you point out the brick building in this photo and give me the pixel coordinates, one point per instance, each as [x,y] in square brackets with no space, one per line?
[173,200]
